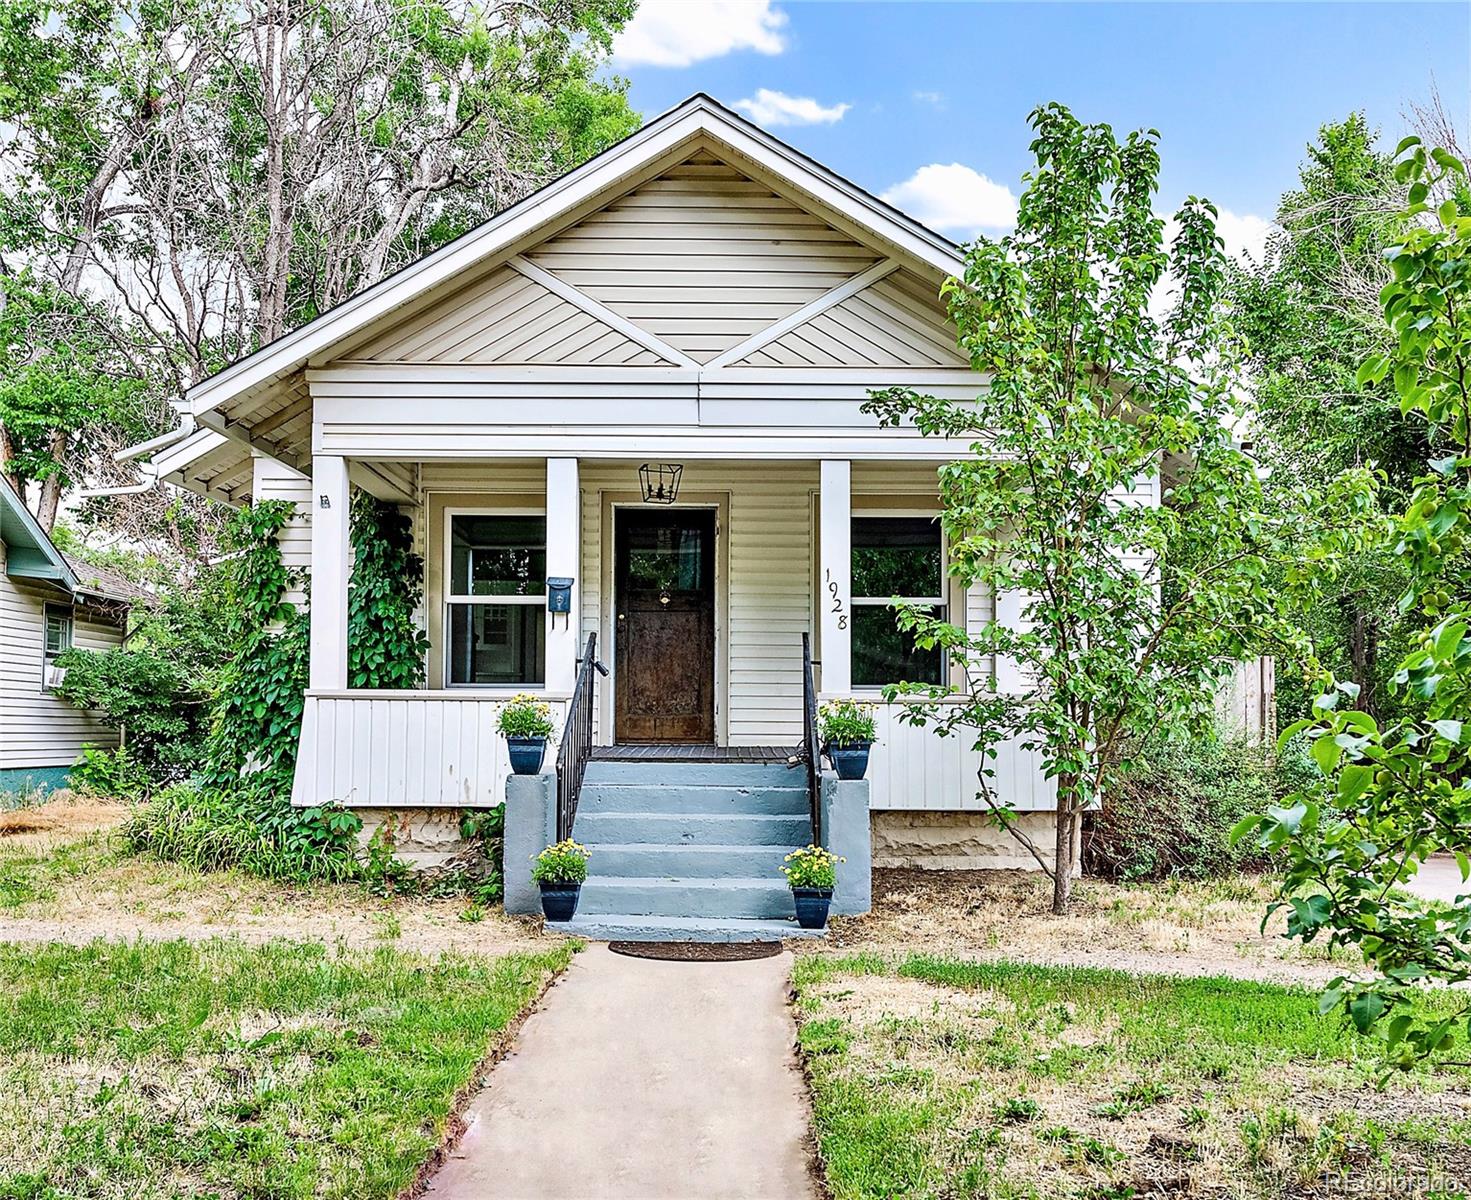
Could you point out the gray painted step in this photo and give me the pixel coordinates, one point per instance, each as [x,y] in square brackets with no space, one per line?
[730,897]
[650,859]
[700,829]
[675,797]
[622,927]
[669,773]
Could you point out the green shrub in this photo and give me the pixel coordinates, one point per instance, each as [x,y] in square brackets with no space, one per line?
[112,774]
[1171,816]
[251,827]
[146,693]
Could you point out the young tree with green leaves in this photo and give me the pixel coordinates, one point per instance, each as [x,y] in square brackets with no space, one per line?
[1131,611]
[1394,793]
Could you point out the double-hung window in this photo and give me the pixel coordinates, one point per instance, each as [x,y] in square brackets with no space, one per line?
[58,637]
[901,556]
[495,605]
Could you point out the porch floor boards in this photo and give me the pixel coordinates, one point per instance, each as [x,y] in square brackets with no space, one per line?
[687,753]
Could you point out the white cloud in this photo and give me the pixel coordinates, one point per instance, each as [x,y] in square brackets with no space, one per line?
[777,108]
[676,33]
[1244,234]
[937,99]
[952,197]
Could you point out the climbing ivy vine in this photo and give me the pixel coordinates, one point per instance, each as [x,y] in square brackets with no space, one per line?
[257,720]
[386,647]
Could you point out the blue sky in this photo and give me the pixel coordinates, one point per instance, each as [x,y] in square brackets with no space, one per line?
[927,101]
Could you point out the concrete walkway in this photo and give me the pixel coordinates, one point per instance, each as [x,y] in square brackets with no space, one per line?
[644,1079]
[1438,879]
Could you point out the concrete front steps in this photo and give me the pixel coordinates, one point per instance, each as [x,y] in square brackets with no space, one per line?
[685,851]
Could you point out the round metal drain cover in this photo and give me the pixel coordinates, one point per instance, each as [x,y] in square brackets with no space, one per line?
[697,951]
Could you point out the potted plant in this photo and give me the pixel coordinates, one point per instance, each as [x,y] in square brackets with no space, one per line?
[559,870]
[526,723]
[811,873]
[848,732]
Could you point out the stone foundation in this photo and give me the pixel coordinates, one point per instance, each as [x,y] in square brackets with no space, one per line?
[425,838]
[958,841]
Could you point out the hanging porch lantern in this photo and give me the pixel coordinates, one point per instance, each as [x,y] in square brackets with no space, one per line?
[660,482]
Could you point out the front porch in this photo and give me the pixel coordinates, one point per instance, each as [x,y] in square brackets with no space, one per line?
[699,608]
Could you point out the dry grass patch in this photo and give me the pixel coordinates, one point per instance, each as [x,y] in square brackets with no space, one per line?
[1181,926]
[74,889]
[934,1077]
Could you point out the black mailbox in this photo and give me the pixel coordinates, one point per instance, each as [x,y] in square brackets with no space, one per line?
[559,595]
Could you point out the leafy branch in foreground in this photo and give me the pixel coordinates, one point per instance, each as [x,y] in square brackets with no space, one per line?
[1105,502]
[1394,795]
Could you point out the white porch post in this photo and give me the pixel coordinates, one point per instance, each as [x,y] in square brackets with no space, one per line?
[329,513]
[834,602]
[564,551]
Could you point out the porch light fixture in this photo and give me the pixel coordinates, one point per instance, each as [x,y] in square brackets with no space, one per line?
[660,482]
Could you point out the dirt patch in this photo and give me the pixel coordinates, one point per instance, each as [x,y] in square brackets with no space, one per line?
[1178,927]
[697,951]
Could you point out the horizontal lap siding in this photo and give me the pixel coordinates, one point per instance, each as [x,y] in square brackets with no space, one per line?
[39,728]
[276,481]
[703,257]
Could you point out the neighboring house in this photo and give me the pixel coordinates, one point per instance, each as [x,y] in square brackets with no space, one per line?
[48,603]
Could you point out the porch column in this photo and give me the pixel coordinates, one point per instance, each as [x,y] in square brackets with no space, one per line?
[329,572]
[835,602]
[564,551]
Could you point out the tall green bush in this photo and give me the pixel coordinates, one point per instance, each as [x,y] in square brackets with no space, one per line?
[1172,815]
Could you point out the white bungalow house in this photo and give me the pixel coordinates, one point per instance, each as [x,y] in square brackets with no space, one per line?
[48,603]
[700,300]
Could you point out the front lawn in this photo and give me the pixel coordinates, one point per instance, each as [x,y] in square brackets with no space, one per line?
[943,1077]
[214,1068]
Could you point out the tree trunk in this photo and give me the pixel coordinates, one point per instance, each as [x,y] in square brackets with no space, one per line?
[8,450]
[51,485]
[1062,861]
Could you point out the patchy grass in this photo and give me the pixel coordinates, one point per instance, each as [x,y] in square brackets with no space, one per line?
[172,1069]
[69,885]
[934,1076]
[1185,927]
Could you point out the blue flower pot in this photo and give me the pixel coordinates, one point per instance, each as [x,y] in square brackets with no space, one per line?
[526,754]
[559,900]
[812,905]
[850,761]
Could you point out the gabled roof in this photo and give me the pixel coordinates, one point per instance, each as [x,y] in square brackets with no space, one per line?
[697,116]
[29,552]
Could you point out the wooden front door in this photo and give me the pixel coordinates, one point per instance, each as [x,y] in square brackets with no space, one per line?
[664,590]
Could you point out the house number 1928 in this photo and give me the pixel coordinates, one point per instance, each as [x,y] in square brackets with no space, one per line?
[832,587]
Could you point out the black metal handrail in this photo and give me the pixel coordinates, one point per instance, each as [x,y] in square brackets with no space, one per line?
[811,752]
[576,744]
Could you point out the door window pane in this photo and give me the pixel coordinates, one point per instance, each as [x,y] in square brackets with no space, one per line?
[497,643]
[498,555]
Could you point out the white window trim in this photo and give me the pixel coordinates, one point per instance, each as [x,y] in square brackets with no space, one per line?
[947,602]
[450,598]
[69,612]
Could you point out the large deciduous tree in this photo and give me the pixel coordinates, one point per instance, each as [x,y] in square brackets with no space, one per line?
[1130,612]
[1395,792]
[207,175]
[1310,316]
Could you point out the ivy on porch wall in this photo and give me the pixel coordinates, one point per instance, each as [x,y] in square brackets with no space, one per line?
[257,723]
